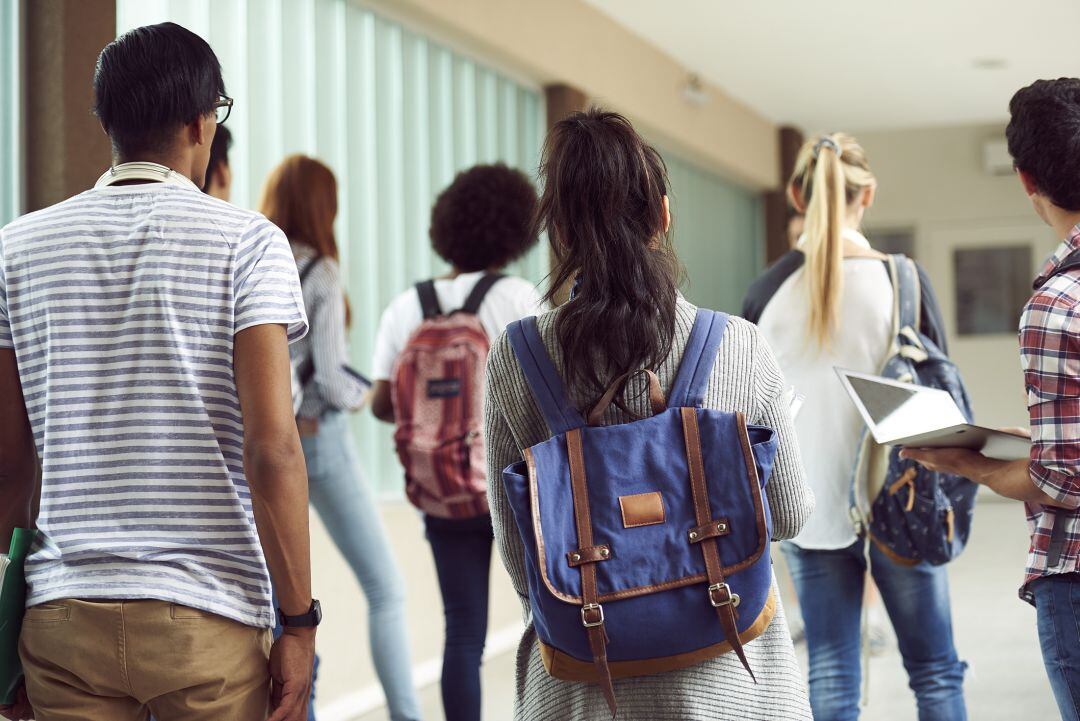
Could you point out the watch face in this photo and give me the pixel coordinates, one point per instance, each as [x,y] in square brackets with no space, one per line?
[316,613]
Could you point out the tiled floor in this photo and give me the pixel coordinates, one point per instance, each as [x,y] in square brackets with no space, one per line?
[995,633]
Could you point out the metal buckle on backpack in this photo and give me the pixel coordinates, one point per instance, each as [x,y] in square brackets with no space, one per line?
[728,597]
[599,621]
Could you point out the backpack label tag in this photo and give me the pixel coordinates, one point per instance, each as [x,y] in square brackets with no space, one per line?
[642,509]
[444,388]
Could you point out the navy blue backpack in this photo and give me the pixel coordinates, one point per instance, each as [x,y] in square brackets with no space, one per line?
[919,514]
[647,543]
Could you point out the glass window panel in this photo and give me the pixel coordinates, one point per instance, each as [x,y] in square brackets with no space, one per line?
[394,113]
[718,232]
[992,286]
[10,107]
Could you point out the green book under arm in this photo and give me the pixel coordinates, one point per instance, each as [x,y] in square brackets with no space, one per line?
[12,607]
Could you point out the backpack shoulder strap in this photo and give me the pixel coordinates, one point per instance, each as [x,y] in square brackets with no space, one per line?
[429,299]
[308,268]
[479,292]
[905,279]
[692,380]
[544,381]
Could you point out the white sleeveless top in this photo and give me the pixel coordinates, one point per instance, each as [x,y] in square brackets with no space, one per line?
[829,427]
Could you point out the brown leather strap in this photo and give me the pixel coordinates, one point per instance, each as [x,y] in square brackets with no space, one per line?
[656,396]
[592,554]
[712,529]
[720,595]
[592,613]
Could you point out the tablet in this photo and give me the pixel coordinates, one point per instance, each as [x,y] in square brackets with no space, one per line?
[905,414]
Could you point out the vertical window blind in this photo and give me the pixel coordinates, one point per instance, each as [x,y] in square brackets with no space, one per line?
[395,114]
[719,233]
[10,108]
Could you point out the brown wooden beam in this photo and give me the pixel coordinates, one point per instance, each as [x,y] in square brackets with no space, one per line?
[65,147]
[562,100]
[789,140]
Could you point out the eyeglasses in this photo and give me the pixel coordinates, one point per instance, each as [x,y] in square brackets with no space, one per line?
[222,109]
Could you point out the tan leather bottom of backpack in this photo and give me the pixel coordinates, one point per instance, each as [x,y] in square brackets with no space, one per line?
[567,668]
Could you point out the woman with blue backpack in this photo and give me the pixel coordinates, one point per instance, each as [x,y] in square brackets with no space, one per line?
[833,302]
[640,460]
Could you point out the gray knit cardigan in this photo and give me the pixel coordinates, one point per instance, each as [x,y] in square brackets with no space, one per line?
[745,378]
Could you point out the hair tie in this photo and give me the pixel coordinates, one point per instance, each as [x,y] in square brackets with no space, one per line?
[827,142]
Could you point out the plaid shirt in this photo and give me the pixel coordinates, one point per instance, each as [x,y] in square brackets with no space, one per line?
[1050,355]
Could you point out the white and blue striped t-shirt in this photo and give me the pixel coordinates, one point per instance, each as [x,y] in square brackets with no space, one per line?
[121,305]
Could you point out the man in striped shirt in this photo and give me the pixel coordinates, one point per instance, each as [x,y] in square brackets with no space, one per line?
[1044,140]
[144,331]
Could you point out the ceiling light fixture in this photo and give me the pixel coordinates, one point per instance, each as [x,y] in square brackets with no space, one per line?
[695,92]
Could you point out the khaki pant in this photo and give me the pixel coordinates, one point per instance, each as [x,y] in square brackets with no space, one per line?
[122,660]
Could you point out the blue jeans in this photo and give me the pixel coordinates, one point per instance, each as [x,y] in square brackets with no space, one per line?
[830,589]
[462,550]
[348,509]
[1057,604]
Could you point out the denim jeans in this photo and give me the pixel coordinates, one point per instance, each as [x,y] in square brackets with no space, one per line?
[462,550]
[1057,604]
[830,589]
[347,507]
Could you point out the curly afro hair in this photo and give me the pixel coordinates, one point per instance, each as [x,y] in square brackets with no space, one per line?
[484,219]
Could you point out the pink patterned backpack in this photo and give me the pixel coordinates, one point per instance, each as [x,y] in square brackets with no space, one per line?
[438,392]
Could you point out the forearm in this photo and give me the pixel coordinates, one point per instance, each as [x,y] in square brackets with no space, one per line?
[18,457]
[278,484]
[382,401]
[1012,479]
[18,478]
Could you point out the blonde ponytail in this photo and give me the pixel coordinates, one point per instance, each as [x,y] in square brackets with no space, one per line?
[829,174]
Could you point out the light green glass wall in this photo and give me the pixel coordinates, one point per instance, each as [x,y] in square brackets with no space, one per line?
[395,114]
[10,164]
[719,231]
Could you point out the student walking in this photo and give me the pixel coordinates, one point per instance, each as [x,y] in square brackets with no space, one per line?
[429,364]
[144,331]
[829,303]
[1044,141]
[605,209]
[300,197]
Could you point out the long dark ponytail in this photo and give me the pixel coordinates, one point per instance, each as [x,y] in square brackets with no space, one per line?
[603,209]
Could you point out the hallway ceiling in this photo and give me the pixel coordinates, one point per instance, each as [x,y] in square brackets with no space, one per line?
[860,64]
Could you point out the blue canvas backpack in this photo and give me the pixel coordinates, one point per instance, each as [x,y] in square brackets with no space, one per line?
[647,543]
[919,514]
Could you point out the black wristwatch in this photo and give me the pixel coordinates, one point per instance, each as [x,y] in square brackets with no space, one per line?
[307,620]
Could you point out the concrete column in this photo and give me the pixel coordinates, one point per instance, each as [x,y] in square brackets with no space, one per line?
[66,148]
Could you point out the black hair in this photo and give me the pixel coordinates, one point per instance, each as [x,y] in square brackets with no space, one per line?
[152,80]
[1044,138]
[603,209]
[483,220]
[219,154]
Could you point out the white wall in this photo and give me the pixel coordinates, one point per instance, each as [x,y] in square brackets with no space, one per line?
[932,180]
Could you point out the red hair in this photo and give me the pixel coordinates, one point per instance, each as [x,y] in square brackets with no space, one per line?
[300,197]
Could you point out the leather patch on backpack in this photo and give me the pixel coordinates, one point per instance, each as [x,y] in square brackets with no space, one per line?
[642,509]
[444,388]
